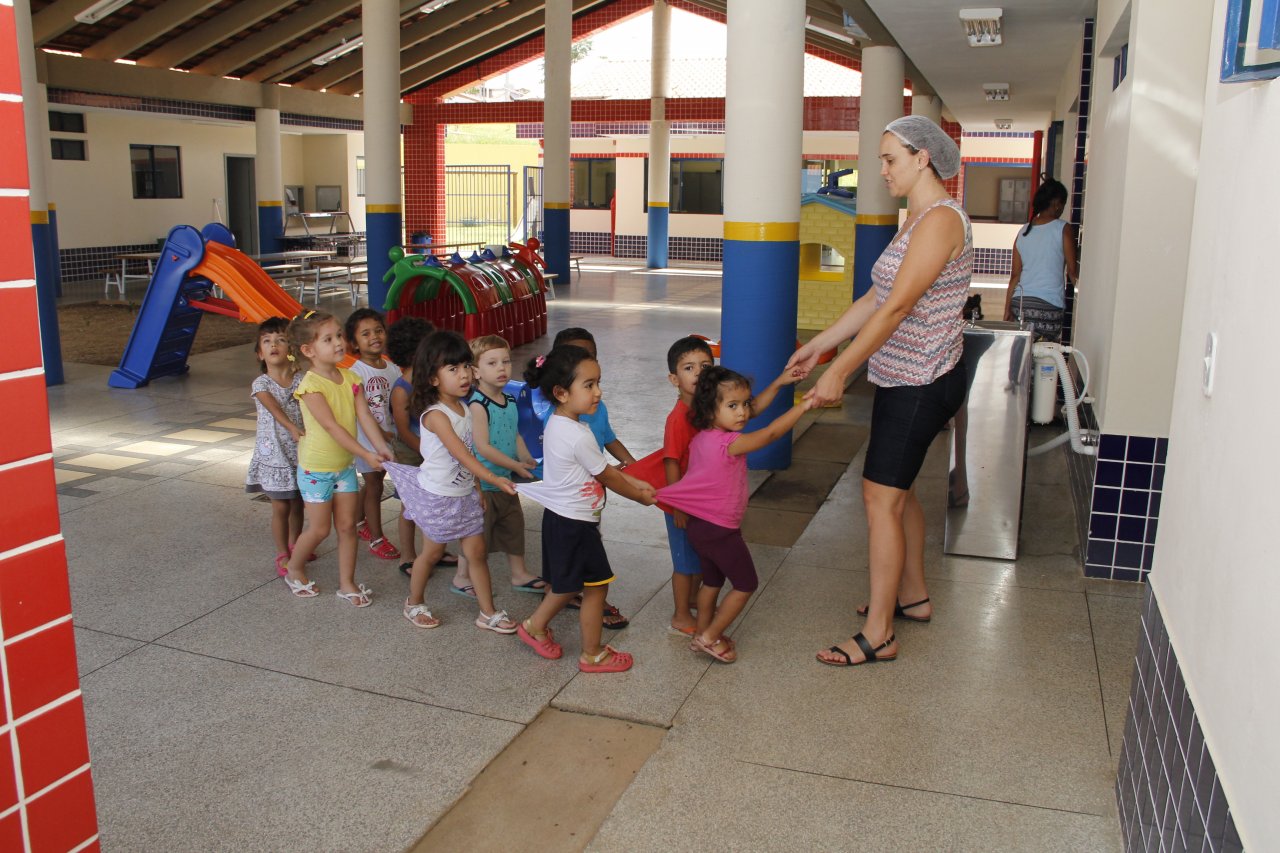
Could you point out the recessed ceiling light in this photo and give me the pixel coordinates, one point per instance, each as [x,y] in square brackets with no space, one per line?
[996,91]
[1004,123]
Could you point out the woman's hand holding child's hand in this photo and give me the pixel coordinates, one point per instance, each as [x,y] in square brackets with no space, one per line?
[803,361]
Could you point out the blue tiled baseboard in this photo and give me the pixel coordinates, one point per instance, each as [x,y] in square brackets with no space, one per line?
[590,242]
[992,261]
[679,248]
[1168,791]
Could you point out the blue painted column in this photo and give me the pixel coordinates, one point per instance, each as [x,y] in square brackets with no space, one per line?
[764,107]
[881,102]
[659,139]
[55,253]
[35,116]
[383,213]
[269,173]
[556,199]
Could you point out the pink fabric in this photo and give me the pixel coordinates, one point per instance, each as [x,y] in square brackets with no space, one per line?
[715,486]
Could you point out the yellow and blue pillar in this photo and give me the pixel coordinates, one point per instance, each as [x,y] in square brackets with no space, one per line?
[384,221]
[876,220]
[659,208]
[764,110]
[556,197]
[269,174]
[35,115]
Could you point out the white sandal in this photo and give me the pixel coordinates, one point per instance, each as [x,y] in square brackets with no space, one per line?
[412,612]
[300,589]
[363,598]
[498,623]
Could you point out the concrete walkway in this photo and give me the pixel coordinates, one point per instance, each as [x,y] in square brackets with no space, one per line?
[225,715]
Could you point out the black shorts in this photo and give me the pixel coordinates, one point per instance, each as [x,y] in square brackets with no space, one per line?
[573,554]
[905,419]
[724,554]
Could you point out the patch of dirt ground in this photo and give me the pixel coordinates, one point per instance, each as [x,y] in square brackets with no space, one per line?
[97,332]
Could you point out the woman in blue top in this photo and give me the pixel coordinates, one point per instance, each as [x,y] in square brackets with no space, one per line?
[1044,251]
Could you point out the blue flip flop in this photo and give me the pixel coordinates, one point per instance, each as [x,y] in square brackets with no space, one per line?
[537,586]
[464,591]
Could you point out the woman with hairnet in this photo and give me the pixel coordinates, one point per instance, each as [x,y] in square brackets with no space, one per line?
[910,334]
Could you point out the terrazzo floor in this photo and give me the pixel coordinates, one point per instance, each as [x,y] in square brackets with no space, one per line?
[225,715]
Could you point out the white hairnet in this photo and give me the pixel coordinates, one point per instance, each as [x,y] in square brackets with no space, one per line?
[923,135]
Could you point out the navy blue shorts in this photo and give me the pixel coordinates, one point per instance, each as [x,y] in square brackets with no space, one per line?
[573,554]
[905,419]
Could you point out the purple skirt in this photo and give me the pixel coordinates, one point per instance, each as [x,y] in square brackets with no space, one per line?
[441,518]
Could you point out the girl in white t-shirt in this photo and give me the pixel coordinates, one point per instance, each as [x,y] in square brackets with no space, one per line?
[366,334]
[442,496]
[575,475]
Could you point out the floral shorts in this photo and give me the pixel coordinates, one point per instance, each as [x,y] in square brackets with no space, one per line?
[318,487]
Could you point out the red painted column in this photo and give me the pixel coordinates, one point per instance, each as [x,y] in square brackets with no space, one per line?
[424,207]
[46,791]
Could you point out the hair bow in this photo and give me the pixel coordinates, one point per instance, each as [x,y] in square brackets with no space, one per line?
[539,361]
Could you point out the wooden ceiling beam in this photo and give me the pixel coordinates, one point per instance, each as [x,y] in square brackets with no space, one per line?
[241,16]
[145,29]
[246,50]
[441,24]
[466,54]
[288,64]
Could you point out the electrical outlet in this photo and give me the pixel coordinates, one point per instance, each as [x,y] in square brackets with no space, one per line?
[1210,362]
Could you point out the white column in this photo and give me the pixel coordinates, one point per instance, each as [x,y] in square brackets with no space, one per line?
[555,133]
[929,106]
[881,103]
[381,22]
[268,173]
[764,113]
[659,137]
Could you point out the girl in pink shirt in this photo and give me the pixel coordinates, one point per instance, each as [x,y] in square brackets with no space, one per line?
[714,494]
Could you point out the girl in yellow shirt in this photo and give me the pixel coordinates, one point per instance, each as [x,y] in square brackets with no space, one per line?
[332,403]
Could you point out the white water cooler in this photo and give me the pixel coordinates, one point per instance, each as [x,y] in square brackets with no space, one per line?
[1044,388]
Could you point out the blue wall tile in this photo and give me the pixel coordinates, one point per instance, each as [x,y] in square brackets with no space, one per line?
[1106,500]
[1135,502]
[1111,447]
[1137,476]
[1109,474]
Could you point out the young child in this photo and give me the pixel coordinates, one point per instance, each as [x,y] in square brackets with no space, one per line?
[502,451]
[366,335]
[598,421]
[686,359]
[714,494]
[402,342]
[273,470]
[333,403]
[575,475]
[441,495]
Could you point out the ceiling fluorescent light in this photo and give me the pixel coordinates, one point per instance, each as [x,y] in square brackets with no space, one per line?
[996,91]
[433,7]
[1004,123]
[100,10]
[341,50]
[982,26]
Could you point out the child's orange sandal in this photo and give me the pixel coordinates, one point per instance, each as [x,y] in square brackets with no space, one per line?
[609,660]
[729,655]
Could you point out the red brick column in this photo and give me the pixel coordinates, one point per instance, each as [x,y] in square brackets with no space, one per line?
[46,792]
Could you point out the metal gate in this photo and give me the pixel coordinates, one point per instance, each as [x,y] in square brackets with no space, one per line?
[531,216]
[477,204]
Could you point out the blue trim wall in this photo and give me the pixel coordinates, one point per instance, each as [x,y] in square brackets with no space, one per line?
[758,326]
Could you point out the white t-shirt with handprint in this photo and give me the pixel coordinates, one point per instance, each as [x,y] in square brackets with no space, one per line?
[571,460]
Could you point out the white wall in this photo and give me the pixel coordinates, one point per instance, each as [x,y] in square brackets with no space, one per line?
[1143,164]
[95,199]
[1215,567]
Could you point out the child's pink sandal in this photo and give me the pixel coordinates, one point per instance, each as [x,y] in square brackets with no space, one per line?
[282,565]
[546,646]
[617,661]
